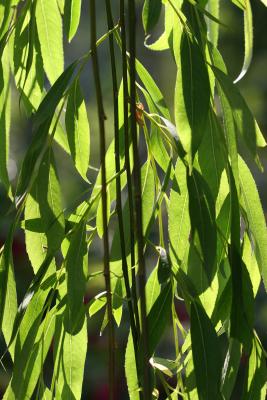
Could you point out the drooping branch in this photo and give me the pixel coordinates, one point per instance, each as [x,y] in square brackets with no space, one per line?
[147,388]
[101,121]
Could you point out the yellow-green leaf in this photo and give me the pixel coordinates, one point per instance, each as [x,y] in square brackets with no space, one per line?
[49,27]
[77,127]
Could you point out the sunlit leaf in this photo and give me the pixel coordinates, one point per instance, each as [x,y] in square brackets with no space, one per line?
[248,33]
[49,27]
[255,215]
[70,354]
[77,127]
[72,14]
[178,216]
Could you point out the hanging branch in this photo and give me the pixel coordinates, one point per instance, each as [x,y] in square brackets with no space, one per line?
[101,120]
[127,161]
[147,388]
[118,168]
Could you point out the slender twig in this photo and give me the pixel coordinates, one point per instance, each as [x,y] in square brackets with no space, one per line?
[118,180]
[127,162]
[101,120]
[147,388]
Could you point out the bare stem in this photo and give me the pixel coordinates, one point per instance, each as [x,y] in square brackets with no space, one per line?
[118,180]
[101,121]
[147,388]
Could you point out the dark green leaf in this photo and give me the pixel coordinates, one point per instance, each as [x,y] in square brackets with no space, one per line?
[243,121]
[158,317]
[230,368]
[206,354]
[42,121]
[192,96]
[151,14]
[5,115]
[76,271]
[255,388]
[255,216]
[203,223]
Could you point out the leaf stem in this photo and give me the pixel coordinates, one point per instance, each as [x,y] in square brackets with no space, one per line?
[101,121]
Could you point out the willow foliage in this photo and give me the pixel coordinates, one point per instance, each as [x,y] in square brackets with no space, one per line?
[189,197]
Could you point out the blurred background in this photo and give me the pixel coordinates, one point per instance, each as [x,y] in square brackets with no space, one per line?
[162,68]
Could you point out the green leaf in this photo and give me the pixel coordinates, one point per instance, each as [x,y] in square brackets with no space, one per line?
[10,309]
[162,43]
[78,131]
[44,218]
[49,199]
[248,33]
[257,374]
[130,370]
[152,290]
[72,13]
[242,313]
[70,355]
[99,215]
[76,271]
[27,60]
[33,340]
[23,383]
[153,90]
[230,368]
[243,121]
[97,304]
[250,261]
[206,354]
[192,96]
[6,262]
[52,99]
[213,27]
[151,14]
[5,115]
[158,317]
[5,17]
[152,293]
[49,27]
[240,3]
[255,216]
[168,367]
[203,221]
[42,121]
[211,154]
[178,215]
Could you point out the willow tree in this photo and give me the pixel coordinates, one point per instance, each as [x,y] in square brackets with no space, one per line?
[193,190]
